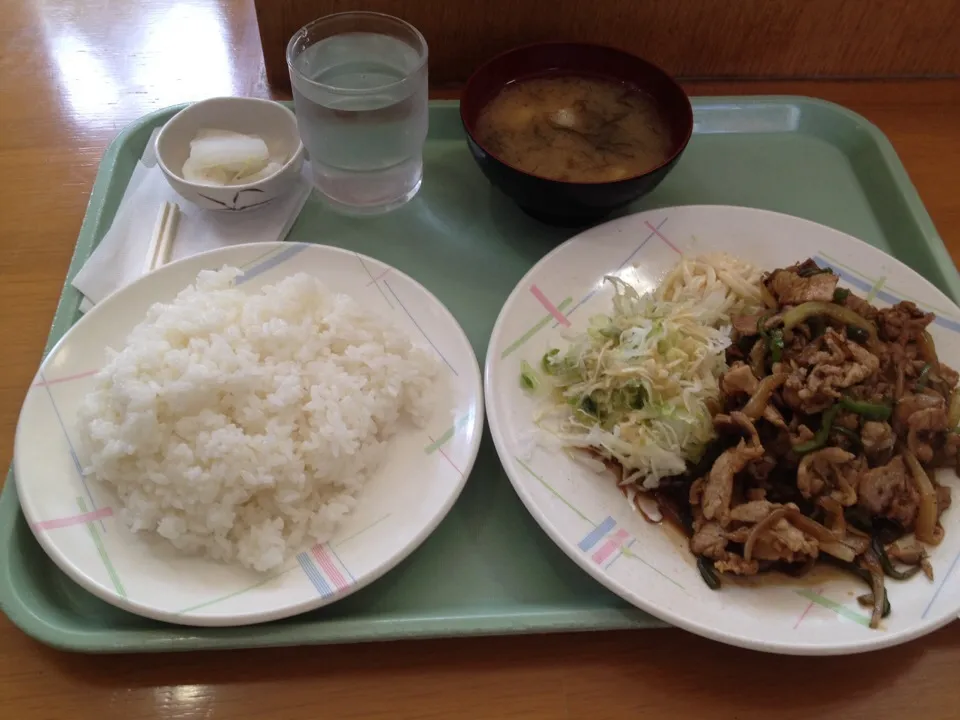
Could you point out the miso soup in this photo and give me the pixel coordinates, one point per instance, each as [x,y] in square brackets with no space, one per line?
[575,129]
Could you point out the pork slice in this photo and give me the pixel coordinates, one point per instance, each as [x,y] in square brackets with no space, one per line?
[923,426]
[737,565]
[746,324]
[709,541]
[912,403]
[789,542]
[739,379]
[827,366]
[888,491]
[877,439]
[830,471]
[718,490]
[752,512]
[791,289]
[903,322]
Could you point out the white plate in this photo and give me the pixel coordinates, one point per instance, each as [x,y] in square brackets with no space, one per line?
[423,474]
[587,516]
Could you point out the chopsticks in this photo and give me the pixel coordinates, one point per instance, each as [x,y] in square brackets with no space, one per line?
[161,242]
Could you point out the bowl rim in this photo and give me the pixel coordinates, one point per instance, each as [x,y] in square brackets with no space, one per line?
[295,157]
[467,126]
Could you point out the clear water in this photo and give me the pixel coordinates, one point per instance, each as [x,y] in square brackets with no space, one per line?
[365,123]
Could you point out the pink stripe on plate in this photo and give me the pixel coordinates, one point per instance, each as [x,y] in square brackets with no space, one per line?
[66,378]
[662,236]
[319,552]
[73,519]
[610,546]
[807,610]
[551,308]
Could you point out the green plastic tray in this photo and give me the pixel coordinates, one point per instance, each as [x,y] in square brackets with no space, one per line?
[489,569]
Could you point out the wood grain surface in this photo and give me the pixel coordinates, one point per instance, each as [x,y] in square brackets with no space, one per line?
[72,74]
[688,38]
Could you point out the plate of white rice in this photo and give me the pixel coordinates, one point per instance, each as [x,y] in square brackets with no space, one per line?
[248,434]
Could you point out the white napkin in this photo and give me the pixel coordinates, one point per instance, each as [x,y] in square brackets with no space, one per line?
[120,257]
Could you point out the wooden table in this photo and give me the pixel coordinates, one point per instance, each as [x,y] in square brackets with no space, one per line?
[76,71]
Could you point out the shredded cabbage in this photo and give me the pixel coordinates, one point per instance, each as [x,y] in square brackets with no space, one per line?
[640,384]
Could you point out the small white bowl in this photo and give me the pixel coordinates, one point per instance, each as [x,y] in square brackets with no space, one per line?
[271,121]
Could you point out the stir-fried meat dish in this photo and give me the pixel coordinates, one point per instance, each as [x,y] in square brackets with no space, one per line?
[834,415]
[779,419]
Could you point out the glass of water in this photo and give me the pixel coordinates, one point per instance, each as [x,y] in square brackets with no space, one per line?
[360,90]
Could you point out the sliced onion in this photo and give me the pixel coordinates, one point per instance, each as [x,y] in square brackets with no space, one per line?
[646,506]
[905,550]
[830,542]
[835,510]
[857,543]
[853,531]
[758,357]
[876,584]
[926,528]
[839,550]
[839,313]
[759,529]
[768,299]
[953,415]
[811,527]
[927,350]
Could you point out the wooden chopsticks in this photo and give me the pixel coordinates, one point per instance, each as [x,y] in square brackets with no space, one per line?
[164,232]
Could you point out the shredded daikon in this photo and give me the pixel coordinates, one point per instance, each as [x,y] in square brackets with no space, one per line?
[694,277]
[221,157]
[637,387]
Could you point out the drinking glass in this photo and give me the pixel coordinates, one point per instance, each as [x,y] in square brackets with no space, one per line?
[360,90]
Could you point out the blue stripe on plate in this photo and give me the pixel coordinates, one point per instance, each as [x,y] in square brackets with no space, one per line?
[313,575]
[593,537]
[271,262]
[883,295]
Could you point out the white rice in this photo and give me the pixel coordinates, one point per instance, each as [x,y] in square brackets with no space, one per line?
[242,427]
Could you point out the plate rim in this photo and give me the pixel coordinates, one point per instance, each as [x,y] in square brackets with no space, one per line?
[191,619]
[883,640]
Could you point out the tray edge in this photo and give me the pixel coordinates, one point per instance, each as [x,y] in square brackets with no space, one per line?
[27,621]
